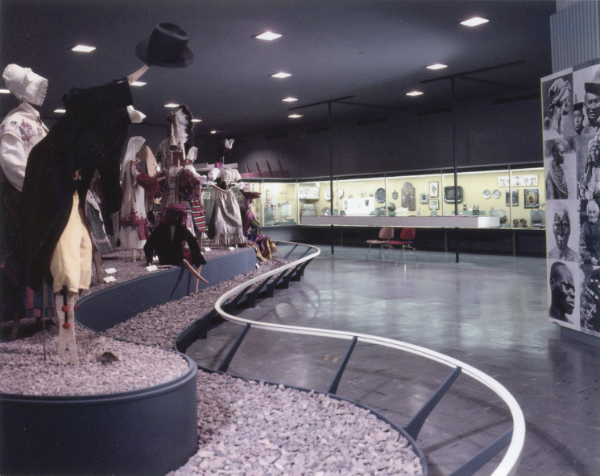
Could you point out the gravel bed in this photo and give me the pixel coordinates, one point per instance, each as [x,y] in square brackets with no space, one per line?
[244,427]
[160,325]
[248,428]
[23,370]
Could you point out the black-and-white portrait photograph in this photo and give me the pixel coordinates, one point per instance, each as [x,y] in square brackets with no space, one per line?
[590,301]
[589,237]
[587,155]
[557,100]
[562,293]
[560,161]
[586,90]
[563,242]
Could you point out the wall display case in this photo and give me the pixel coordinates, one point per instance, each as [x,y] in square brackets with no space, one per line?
[429,194]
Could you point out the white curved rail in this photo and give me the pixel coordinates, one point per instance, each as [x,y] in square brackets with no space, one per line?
[509,463]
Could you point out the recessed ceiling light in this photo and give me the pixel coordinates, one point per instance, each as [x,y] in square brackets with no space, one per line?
[290,99]
[474,21]
[4,91]
[268,35]
[60,111]
[138,83]
[295,116]
[171,104]
[196,120]
[213,132]
[280,75]
[436,66]
[414,93]
[83,48]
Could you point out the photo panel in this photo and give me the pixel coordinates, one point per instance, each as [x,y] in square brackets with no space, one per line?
[589,300]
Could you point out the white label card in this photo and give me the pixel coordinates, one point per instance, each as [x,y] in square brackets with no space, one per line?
[109,279]
[232,248]
[110,270]
[206,248]
[152,267]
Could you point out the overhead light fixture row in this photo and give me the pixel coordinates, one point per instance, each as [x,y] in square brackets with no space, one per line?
[295,116]
[268,35]
[171,104]
[138,83]
[196,120]
[4,91]
[290,99]
[83,48]
[475,21]
[414,93]
[280,75]
[60,111]
[436,66]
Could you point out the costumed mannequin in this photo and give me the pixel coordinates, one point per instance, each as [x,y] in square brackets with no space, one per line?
[225,227]
[181,181]
[20,131]
[167,241]
[54,240]
[135,184]
[251,227]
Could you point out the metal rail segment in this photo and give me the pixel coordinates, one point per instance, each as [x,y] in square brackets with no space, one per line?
[293,271]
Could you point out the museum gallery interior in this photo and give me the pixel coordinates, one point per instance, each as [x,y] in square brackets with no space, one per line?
[301,237]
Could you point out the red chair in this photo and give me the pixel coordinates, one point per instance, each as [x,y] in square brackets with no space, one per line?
[385,235]
[407,236]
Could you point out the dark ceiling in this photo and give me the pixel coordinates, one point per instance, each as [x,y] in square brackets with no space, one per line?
[372,50]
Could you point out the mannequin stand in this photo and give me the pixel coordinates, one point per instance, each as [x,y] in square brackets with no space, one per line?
[66,328]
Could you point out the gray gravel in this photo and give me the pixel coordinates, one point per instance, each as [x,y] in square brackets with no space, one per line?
[244,428]
[248,428]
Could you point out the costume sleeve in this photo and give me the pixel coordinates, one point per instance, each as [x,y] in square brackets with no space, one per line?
[197,256]
[214,174]
[149,184]
[13,160]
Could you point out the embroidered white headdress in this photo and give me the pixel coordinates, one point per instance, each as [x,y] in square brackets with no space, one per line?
[133,147]
[25,84]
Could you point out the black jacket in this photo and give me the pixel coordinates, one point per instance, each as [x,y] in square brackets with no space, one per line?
[170,251]
[89,136]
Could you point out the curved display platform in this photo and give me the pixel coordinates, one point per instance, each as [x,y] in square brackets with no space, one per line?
[144,432]
[150,431]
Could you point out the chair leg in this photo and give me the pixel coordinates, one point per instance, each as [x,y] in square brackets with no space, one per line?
[367,257]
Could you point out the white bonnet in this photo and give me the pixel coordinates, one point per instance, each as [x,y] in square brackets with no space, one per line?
[25,84]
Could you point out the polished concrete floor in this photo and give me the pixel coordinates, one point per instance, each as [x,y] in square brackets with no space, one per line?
[487,311]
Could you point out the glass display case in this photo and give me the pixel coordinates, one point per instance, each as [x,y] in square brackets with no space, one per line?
[516,196]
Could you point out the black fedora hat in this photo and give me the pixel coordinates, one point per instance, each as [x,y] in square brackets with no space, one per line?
[166,47]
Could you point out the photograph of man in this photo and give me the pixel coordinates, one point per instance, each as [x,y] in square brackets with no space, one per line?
[561,227]
[562,289]
[590,313]
[578,117]
[589,183]
[589,239]
[556,179]
[558,105]
[586,84]
[592,104]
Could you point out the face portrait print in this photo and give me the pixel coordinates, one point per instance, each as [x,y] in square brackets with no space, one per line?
[562,229]
[562,288]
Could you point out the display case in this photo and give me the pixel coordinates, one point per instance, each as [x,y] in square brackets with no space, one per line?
[515,195]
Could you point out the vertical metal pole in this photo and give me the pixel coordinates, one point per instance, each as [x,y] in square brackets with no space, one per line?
[331,176]
[454,152]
